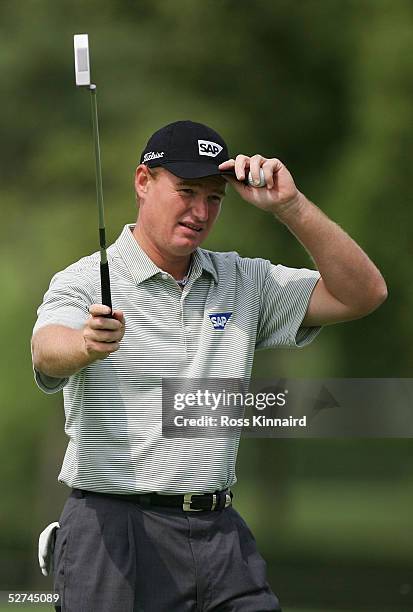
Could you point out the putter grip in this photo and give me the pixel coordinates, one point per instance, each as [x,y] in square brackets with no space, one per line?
[105,286]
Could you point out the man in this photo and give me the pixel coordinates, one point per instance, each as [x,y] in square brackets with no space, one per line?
[132,537]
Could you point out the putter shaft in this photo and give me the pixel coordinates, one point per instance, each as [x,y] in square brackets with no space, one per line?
[104,268]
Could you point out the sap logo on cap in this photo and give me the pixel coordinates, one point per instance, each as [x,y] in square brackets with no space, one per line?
[206,147]
[219,319]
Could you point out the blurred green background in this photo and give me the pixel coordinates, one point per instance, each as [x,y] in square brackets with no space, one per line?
[326,85]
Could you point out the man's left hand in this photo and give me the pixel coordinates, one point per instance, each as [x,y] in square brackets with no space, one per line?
[279,196]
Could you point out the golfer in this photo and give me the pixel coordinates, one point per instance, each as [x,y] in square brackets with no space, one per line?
[149,523]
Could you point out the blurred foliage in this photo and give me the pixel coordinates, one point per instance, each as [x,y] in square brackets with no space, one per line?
[324,85]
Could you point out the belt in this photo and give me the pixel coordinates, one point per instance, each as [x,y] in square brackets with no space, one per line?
[189,502]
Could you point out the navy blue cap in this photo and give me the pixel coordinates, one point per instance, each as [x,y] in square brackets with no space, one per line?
[189,150]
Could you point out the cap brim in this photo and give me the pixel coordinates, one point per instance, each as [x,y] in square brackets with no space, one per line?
[193,170]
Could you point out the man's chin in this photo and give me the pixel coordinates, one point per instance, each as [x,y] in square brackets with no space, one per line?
[186,246]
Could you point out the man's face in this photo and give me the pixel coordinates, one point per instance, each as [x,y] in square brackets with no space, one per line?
[176,215]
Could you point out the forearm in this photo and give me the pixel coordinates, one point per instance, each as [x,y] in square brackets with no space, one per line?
[347,272]
[59,351]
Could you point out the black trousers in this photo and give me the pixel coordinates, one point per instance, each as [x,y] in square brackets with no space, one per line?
[116,556]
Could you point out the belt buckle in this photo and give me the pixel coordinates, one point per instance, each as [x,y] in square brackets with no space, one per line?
[187,502]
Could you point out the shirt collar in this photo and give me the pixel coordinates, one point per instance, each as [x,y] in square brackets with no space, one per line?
[203,260]
[142,267]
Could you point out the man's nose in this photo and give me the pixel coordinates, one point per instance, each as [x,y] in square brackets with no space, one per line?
[200,208]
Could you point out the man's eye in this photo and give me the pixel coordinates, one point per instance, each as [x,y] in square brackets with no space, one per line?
[187,191]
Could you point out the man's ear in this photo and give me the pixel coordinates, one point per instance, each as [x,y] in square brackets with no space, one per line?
[142,177]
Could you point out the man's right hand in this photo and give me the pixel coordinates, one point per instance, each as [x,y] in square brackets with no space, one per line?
[102,335]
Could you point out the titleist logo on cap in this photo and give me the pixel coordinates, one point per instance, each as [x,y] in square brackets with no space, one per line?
[206,147]
[153,155]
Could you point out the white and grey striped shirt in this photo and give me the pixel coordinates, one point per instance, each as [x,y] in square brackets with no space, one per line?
[113,406]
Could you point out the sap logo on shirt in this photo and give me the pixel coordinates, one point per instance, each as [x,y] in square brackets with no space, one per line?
[219,319]
[206,147]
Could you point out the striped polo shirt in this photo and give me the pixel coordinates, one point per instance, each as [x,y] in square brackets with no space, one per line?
[113,407]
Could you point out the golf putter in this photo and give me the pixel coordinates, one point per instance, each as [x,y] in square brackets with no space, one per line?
[82,74]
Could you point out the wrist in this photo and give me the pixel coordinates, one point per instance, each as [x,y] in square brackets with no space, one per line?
[291,209]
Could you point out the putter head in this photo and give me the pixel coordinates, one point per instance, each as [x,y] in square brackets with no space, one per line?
[82,65]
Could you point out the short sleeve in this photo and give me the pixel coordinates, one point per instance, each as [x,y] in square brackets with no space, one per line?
[285,296]
[66,302]
[48,384]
